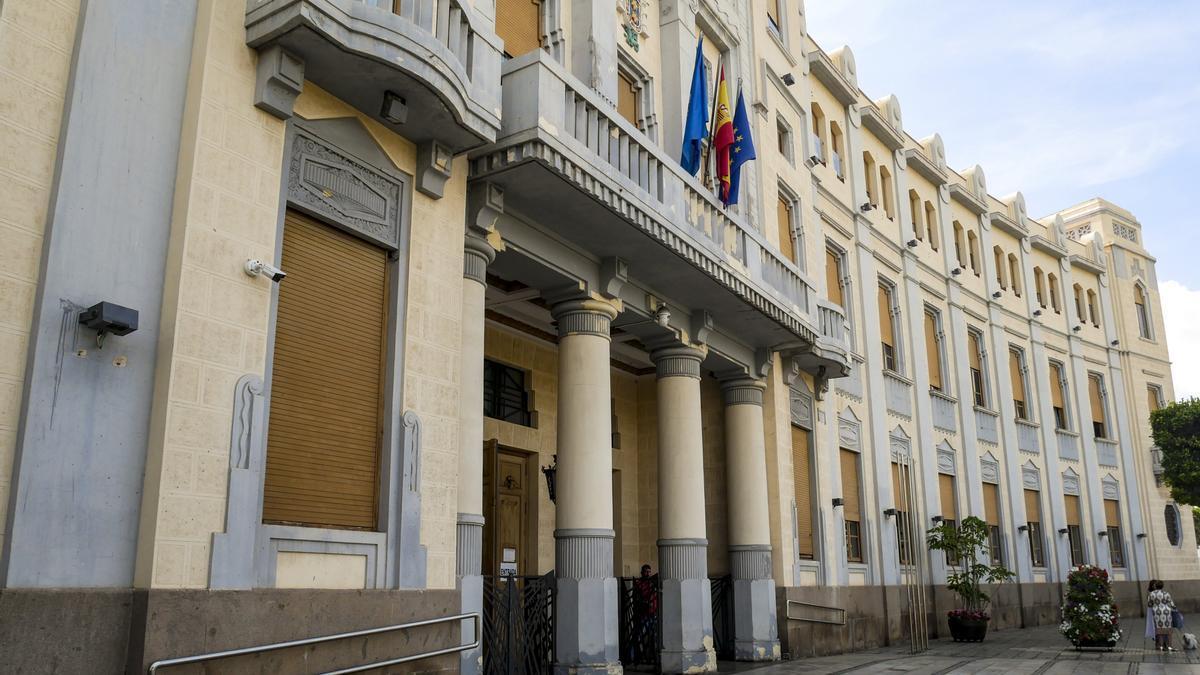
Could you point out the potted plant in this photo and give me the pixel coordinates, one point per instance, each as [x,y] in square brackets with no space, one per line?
[1090,618]
[963,543]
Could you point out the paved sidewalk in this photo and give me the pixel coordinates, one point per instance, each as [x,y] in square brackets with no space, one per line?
[1031,651]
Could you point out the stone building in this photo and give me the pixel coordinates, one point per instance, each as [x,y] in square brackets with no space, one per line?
[495,265]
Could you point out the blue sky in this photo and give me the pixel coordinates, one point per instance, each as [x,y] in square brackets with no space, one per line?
[1064,101]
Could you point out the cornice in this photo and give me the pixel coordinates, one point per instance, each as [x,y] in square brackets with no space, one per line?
[1004,222]
[917,160]
[1043,244]
[829,75]
[1077,260]
[872,119]
[974,204]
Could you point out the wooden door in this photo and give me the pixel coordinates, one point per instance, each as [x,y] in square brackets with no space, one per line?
[506,512]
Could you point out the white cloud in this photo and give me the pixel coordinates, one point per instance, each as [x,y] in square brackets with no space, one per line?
[1181,313]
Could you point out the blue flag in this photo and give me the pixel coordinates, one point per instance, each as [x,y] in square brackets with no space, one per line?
[742,150]
[695,125]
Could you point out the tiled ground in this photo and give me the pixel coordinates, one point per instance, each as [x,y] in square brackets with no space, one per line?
[1030,651]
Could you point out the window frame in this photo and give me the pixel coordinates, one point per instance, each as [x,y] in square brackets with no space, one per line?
[897,364]
[1101,432]
[1021,407]
[1142,311]
[1064,390]
[796,240]
[784,139]
[495,370]
[939,338]
[979,379]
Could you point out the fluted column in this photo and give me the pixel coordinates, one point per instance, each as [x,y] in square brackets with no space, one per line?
[687,643]
[755,631]
[477,254]
[587,611]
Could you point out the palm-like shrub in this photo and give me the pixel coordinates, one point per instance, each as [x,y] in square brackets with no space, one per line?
[965,542]
[1090,615]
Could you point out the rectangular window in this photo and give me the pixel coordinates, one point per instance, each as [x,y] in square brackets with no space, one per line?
[1074,529]
[628,104]
[975,356]
[1143,315]
[787,235]
[1096,395]
[802,482]
[887,190]
[933,350]
[517,23]
[851,506]
[991,515]
[504,394]
[887,329]
[1033,517]
[1154,397]
[1057,396]
[949,506]
[783,136]
[1112,519]
[1016,368]
[833,276]
[322,464]
[773,15]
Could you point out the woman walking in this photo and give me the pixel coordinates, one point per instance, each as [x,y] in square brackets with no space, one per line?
[1161,607]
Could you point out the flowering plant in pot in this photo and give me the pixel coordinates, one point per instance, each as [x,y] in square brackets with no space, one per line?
[963,544]
[1090,616]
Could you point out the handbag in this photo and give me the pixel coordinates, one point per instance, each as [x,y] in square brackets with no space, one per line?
[1176,619]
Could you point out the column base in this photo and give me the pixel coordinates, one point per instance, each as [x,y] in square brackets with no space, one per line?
[470,662]
[756,633]
[686,613]
[586,638]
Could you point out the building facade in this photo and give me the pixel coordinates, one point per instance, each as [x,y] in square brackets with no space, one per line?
[497,273]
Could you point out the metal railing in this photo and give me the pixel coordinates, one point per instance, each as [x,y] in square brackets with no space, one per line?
[213,656]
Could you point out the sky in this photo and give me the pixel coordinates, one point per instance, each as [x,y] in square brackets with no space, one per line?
[1064,101]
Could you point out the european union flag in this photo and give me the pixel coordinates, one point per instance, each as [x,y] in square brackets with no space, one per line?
[695,124]
[743,148]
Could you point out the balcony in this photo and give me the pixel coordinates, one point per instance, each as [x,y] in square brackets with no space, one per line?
[430,53]
[1068,444]
[986,426]
[944,413]
[1027,437]
[1106,452]
[565,151]
[898,393]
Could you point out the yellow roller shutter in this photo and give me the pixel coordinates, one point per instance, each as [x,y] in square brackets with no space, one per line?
[773,14]
[1033,508]
[1072,505]
[949,503]
[784,223]
[900,487]
[1056,387]
[324,430]
[973,348]
[627,98]
[1152,398]
[851,509]
[833,277]
[1096,399]
[1112,513]
[1018,378]
[802,479]
[991,503]
[517,24]
[885,317]
[933,355]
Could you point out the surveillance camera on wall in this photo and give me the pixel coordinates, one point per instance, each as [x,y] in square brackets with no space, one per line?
[256,267]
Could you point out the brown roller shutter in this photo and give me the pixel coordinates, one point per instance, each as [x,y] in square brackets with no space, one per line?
[851,509]
[1072,505]
[1112,513]
[885,317]
[324,434]
[900,487]
[833,276]
[974,351]
[802,476]
[773,13]
[1152,398]
[1018,378]
[1033,506]
[1056,387]
[949,503]
[933,355]
[784,216]
[991,503]
[1096,399]
[517,24]
[627,98]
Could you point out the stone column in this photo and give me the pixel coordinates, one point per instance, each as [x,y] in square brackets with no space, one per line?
[755,631]
[686,613]
[476,257]
[586,624]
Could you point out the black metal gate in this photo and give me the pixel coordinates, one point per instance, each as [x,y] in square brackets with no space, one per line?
[518,625]
[722,617]
[640,639]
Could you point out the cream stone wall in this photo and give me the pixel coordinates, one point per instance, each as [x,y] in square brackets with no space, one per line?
[37,38]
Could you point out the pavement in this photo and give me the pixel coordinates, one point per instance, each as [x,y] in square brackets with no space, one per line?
[1022,651]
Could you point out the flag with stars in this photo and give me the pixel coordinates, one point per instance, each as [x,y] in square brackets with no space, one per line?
[742,150]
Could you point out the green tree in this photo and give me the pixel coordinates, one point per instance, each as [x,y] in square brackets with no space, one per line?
[965,542]
[1176,431]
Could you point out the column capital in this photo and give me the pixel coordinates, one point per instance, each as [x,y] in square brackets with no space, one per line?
[477,255]
[677,360]
[743,391]
[584,316]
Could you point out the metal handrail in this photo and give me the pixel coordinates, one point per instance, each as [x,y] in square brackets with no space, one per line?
[473,616]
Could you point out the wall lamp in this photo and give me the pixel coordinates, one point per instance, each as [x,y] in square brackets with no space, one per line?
[1077,328]
[956,271]
[1022,528]
[890,513]
[1037,312]
[996,295]
[838,501]
[1141,535]
[551,473]
[937,519]
[1062,531]
[1102,533]
[867,206]
[788,79]
[1116,342]
[912,243]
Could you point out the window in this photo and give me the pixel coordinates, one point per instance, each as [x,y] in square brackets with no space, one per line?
[1039,283]
[1033,516]
[886,189]
[931,225]
[991,515]
[851,506]
[998,259]
[975,357]
[887,327]
[1058,387]
[1079,303]
[783,135]
[949,506]
[773,14]
[1016,369]
[1143,314]
[973,250]
[833,276]
[933,348]
[818,133]
[785,231]
[1092,313]
[517,23]
[1074,529]
[1096,395]
[915,212]
[323,449]
[1174,529]
[837,150]
[900,497]
[1014,273]
[504,395]
[1154,396]
[1112,519]
[869,173]
[802,483]
[1052,282]
[628,98]
[958,244]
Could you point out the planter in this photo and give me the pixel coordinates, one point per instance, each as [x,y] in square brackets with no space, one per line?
[967,630]
[1106,645]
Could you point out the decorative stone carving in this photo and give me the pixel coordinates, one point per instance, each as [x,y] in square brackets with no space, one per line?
[989,468]
[411,556]
[900,445]
[1031,477]
[1111,487]
[279,79]
[1070,482]
[247,420]
[1075,233]
[946,461]
[843,58]
[433,168]
[233,550]
[614,272]
[702,326]
[634,14]
[849,429]
[1125,232]
[801,406]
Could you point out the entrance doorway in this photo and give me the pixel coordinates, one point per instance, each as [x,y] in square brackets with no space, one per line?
[509,488]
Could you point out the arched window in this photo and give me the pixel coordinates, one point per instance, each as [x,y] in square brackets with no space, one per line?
[869,172]
[1039,286]
[1092,313]
[931,225]
[973,251]
[1143,312]
[1171,515]
[998,259]
[1014,273]
[958,244]
[1052,282]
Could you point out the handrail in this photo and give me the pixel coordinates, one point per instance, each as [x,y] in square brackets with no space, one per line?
[213,656]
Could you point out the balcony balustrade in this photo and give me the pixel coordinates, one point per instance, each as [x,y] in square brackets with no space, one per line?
[1106,452]
[1027,437]
[898,393]
[987,426]
[1068,444]
[944,413]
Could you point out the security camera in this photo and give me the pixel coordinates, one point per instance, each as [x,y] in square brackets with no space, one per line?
[256,267]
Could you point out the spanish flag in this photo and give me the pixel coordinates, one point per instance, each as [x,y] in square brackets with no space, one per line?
[723,133]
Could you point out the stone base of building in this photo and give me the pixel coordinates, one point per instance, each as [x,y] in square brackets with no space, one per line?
[687,632]
[586,616]
[755,627]
[124,630]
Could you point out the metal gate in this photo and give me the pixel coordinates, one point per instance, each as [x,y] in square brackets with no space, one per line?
[722,617]
[518,625]
[640,631]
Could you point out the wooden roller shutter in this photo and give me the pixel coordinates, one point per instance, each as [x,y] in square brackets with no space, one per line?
[991,503]
[933,354]
[1072,505]
[1018,378]
[949,503]
[1033,506]
[784,221]
[627,98]
[1153,399]
[773,14]
[851,509]
[517,23]
[1056,386]
[900,487]
[324,434]
[1112,513]
[833,277]
[1096,399]
[885,317]
[802,479]
[973,348]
